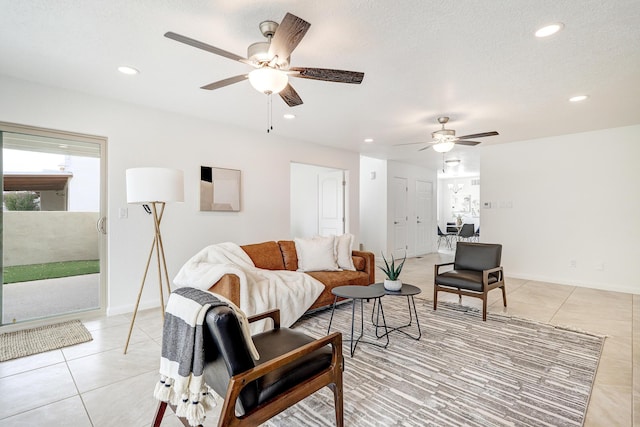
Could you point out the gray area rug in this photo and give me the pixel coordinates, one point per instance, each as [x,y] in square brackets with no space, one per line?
[44,338]
[462,372]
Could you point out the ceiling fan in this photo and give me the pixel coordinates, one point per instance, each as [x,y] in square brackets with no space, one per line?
[445,139]
[270,60]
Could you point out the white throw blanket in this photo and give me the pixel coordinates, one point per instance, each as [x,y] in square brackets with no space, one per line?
[260,290]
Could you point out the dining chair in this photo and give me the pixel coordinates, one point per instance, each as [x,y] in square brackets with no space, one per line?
[466,232]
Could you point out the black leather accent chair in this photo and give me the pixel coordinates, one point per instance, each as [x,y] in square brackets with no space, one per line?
[476,271]
[291,367]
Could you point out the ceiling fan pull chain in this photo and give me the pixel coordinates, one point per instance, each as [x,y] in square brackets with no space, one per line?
[269,124]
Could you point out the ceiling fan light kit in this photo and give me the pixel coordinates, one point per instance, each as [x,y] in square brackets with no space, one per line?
[268,80]
[445,139]
[444,146]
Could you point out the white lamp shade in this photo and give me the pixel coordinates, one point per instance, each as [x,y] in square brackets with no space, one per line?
[146,185]
[443,147]
[268,80]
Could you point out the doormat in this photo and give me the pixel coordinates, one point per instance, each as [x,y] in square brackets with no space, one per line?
[43,338]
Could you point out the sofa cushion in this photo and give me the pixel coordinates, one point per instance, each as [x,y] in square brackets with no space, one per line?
[265,255]
[289,255]
[316,254]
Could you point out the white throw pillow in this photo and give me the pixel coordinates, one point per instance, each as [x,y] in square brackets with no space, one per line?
[344,246]
[316,254]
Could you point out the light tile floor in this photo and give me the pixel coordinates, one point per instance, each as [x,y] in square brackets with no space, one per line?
[95,384]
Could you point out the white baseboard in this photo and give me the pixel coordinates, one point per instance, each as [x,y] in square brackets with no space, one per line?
[592,285]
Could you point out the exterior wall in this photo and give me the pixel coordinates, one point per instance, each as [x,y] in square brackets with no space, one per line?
[84,187]
[33,237]
[53,200]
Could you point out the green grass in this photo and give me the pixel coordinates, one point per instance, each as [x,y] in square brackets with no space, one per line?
[52,270]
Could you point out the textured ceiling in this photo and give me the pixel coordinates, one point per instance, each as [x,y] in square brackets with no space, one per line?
[475,61]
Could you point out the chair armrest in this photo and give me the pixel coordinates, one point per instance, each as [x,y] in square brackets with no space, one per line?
[486,273]
[272,314]
[239,381]
[436,267]
[369,263]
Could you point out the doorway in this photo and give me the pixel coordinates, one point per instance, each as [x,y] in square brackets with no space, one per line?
[317,200]
[53,225]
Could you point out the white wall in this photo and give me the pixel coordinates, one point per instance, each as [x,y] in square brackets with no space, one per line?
[139,137]
[562,199]
[373,202]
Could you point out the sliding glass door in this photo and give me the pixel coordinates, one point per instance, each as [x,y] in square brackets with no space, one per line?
[53,230]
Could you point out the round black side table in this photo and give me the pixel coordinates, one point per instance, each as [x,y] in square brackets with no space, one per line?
[408,291]
[360,293]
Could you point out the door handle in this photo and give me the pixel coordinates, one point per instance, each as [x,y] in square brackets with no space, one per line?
[396,222]
[419,222]
[101,225]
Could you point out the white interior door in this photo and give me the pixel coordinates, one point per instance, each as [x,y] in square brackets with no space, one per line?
[400,217]
[331,203]
[424,217]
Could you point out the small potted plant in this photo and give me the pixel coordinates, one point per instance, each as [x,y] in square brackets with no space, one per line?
[392,282]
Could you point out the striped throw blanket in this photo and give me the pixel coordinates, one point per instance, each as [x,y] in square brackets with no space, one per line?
[182,362]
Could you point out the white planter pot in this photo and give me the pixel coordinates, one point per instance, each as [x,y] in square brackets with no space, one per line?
[392,285]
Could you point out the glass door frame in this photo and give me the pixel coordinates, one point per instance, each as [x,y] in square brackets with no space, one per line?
[101,226]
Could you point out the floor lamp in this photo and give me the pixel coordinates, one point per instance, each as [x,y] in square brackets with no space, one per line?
[154,187]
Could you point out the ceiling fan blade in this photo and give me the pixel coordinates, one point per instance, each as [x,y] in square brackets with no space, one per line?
[328,75]
[225,82]
[207,47]
[411,143]
[424,148]
[289,33]
[467,142]
[290,96]
[479,135]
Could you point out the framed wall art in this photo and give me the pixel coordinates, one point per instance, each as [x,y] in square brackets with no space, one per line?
[219,189]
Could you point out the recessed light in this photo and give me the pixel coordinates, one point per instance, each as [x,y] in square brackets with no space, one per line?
[289,116]
[369,140]
[549,30]
[578,98]
[128,70]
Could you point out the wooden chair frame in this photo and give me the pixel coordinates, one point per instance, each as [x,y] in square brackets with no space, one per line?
[469,293]
[331,377]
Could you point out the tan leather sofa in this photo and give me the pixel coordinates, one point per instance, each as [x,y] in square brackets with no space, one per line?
[282,255]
